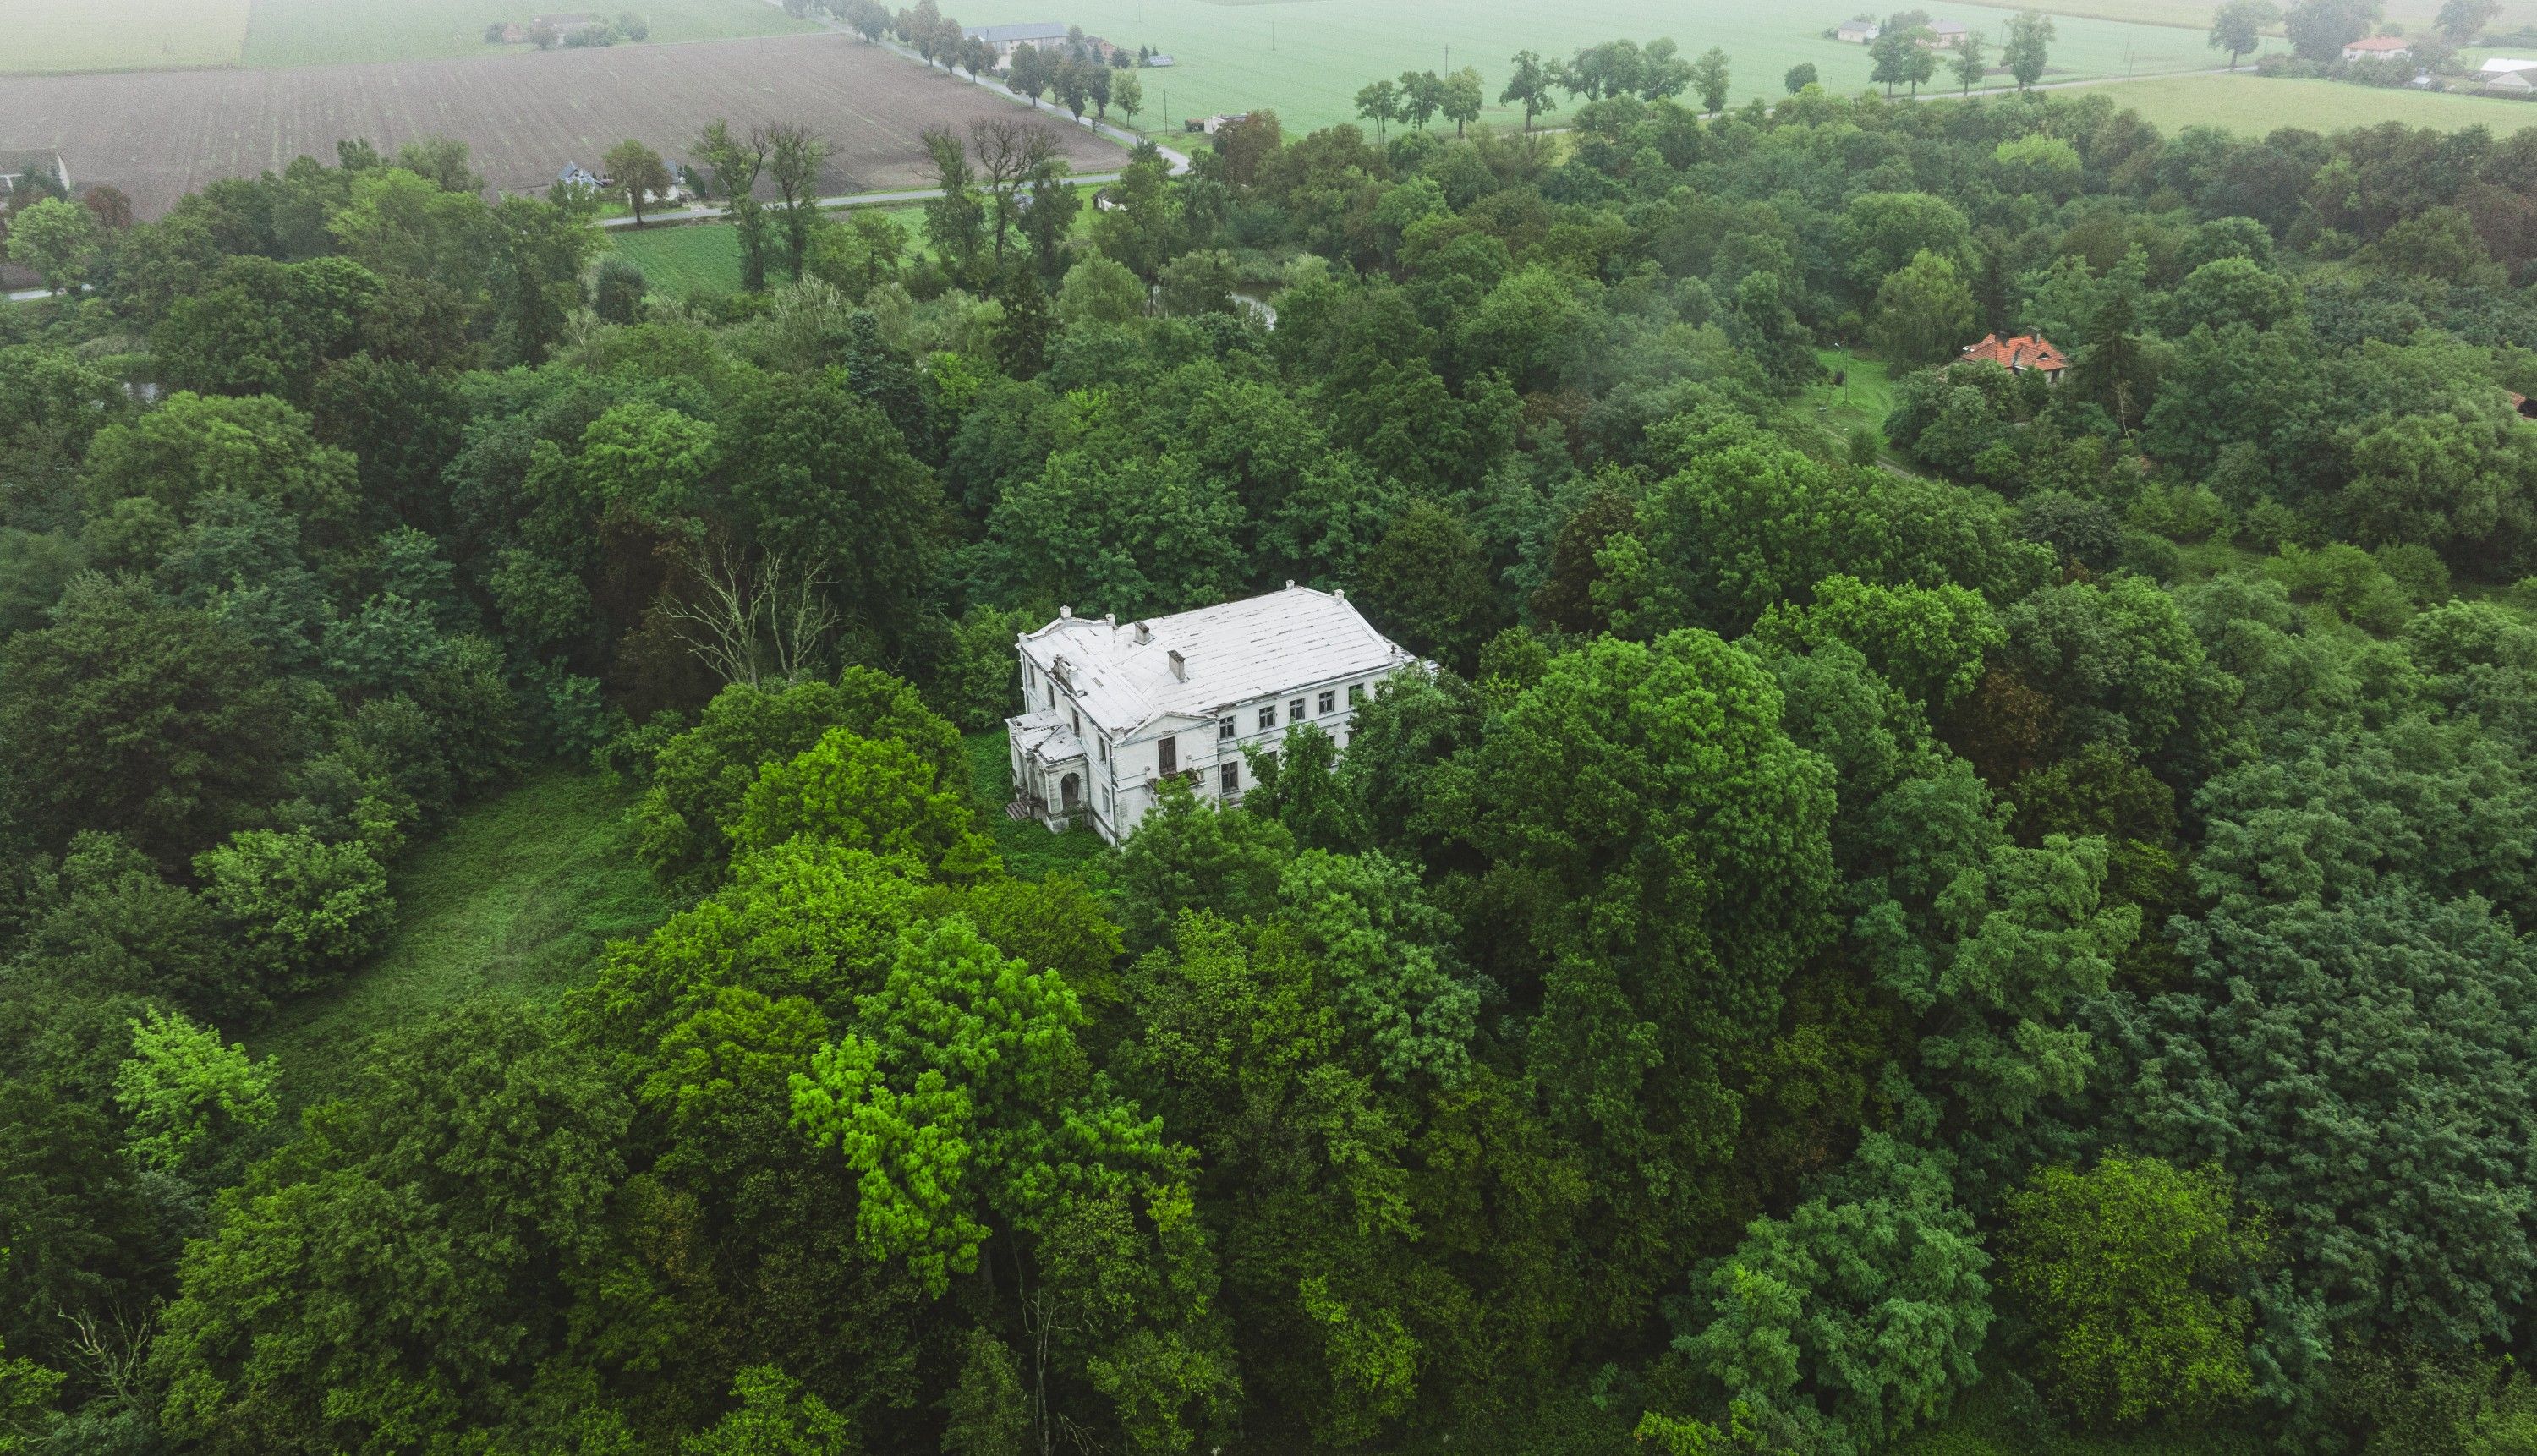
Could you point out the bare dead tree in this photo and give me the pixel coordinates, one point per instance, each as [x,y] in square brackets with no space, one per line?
[1001,146]
[737,613]
[113,1350]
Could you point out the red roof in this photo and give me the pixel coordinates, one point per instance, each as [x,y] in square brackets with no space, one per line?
[2379,42]
[2020,352]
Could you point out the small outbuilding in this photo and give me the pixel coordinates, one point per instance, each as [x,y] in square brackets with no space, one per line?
[1947,34]
[574,174]
[2378,49]
[1857,31]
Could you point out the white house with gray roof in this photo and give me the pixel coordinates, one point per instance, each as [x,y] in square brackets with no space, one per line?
[1112,709]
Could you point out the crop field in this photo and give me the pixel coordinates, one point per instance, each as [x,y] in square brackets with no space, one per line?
[161,136]
[1306,59]
[106,34]
[2415,16]
[307,33]
[2256,104]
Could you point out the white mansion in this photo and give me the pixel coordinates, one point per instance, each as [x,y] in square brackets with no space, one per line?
[1111,711]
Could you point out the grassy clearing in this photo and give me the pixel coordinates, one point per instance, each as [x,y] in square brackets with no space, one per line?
[686,261]
[2255,104]
[122,34]
[307,33]
[1307,61]
[515,898]
[1030,851]
[1861,402]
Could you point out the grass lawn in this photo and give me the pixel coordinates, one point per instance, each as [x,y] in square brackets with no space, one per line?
[1030,851]
[685,259]
[121,35]
[2255,104]
[303,32]
[515,898]
[1307,61]
[1862,399]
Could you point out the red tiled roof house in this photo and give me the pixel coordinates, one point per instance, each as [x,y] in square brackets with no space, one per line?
[2021,352]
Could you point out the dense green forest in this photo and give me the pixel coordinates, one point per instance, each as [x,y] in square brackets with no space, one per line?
[2022,914]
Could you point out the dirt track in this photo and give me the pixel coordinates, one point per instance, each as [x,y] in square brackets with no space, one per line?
[158,135]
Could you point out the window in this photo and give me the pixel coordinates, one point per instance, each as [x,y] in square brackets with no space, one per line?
[1268,718]
[1108,810]
[1228,779]
[1327,701]
[1356,693]
[1052,697]
[1078,724]
[1103,746]
[1223,728]
[1167,753]
[1295,711]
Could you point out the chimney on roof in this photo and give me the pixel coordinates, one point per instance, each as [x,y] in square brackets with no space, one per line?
[1180,665]
[1111,617]
[1290,584]
[1144,634]
[1066,611]
[1339,593]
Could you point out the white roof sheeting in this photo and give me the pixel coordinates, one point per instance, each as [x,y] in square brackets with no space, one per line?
[1233,653]
[2502,65]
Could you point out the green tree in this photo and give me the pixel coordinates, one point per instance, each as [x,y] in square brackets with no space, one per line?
[2320,29]
[864,793]
[1463,98]
[135,715]
[302,909]
[57,241]
[1924,311]
[1529,85]
[184,1096]
[483,1149]
[1856,1318]
[2030,32]
[1427,582]
[537,254]
[193,446]
[1970,65]
[2238,26]
[639,174]
[2131,1269]
[2461,21]
[774,1417]
[1379,102]
[737,162]
[990,1415]
[1799,77]
[1710,78]
[1191,854]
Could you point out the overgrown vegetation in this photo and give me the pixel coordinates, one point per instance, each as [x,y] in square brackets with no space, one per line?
[2006,929]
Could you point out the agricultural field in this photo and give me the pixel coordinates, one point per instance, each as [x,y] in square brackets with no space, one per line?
[161,136]
[112,34]
[2255,104]
[307,33]
[2415,16]
[1307,60]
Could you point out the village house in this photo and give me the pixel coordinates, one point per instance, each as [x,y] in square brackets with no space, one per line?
[1946,35]
[43,168]
[574,174]
[2377,47]
[1857,31]
[1006,39]
[1112,710]
[2018,354]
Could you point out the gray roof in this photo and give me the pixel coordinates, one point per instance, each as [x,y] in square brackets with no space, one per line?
[1233,653]
[999,34]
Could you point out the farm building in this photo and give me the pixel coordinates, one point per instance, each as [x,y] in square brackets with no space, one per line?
[2502,65]
[574,174]
[2019,353]
[2377,47]
[43,168]
[568,21]
[1210,125]
[1946,34]
[1006,39]
[1113,711]
[2509,84]
[1857,32]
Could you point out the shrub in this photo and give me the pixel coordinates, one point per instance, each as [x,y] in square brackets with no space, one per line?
[302,910]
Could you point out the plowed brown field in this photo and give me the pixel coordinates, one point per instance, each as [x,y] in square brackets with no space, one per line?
[160,134]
